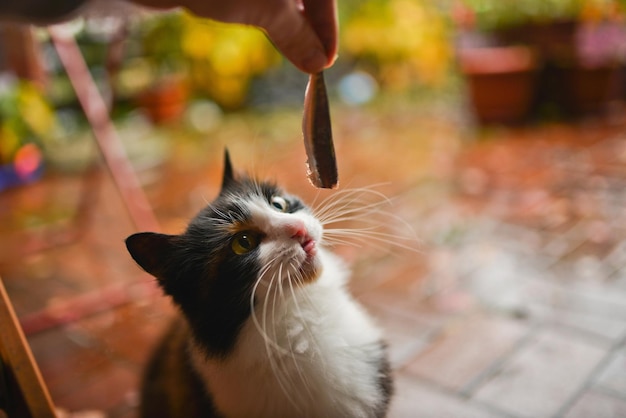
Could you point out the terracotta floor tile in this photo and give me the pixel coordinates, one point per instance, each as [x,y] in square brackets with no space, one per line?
[67,359]
[597,405]
[129,332]
[464,349]
[540,378]
[429,311]
[610,329]
[613,376]
[407,334]
[599,310]
[31,289]
[415,399]
[106,389]
[499,272]
[124,411]
[399,269]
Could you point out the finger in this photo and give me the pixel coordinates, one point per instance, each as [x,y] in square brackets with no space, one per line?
[322,16]
[295,38]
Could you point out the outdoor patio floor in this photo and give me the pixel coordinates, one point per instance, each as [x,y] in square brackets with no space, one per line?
[513,305]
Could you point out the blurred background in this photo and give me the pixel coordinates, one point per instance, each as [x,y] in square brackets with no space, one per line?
[495,128]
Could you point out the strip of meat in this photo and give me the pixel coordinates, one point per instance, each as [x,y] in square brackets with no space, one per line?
[318,136]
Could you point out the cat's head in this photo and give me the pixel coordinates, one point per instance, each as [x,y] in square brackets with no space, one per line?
[252,235]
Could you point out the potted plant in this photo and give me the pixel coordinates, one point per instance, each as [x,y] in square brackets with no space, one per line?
[591,79]
[577,43]
[500,74]
[165,96]
[500,81]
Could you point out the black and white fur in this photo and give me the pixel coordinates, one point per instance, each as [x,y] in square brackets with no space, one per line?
[268,330]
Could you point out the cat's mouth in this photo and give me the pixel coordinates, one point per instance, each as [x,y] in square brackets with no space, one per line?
[309,267]
[310,247]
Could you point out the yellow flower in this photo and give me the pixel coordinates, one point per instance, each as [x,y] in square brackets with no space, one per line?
[34,110]
[223,58]
[408,40]
[9,143]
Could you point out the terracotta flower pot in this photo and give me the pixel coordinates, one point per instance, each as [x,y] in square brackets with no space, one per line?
[500,82]
[166,101]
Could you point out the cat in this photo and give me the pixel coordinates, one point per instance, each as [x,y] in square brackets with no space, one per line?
[267,327]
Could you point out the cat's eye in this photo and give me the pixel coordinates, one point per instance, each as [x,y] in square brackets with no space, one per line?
[279,203]
[244,242]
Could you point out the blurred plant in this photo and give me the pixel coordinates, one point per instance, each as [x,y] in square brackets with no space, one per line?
[161,36]
[498,14]
[564,31]
[223,59]
[25,120]
[406,41]
[218,60]
[25,116]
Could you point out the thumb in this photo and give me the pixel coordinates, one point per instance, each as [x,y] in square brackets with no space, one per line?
[294,37]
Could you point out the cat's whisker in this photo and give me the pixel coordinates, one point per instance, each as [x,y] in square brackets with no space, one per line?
[352,218]
[275,294]
[296,361]
[286,379]
[344,209]
[370,213]
[350,196]
[366,232]
[352,221]
[277,365]
[346,197]
[261,326]
[371,236]
[333,241]
[262,272]
[312,305]
[354,206]
[301,287]
[358,217]
[359,191]
[298,278]
[276,280]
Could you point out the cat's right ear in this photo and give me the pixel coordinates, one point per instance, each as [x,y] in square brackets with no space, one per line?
[228,176]
[151,251]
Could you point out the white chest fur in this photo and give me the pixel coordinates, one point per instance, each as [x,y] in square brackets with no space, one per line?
[319,357]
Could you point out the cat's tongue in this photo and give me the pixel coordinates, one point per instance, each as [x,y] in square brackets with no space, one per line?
[309,247]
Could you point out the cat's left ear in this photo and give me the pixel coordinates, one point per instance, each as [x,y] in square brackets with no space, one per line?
[228,176]
[151,251]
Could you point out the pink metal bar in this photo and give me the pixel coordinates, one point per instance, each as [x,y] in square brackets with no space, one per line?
[107,138]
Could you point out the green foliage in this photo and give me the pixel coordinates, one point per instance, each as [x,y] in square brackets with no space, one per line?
[497,14]
[161,41]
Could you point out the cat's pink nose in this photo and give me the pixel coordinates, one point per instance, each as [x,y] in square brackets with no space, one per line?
[297,230]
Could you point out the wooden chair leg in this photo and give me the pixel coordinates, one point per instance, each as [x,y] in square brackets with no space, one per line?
[23,379]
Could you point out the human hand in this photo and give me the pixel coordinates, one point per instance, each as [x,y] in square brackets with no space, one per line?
[304,31]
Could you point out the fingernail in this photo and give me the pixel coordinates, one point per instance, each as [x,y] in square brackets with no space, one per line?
[315,62]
